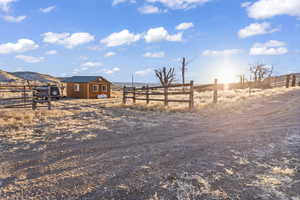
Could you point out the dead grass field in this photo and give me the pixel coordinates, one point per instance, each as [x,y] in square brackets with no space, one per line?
[203,99]
[242,148]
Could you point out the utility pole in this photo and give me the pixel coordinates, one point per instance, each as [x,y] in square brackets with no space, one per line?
[183,69]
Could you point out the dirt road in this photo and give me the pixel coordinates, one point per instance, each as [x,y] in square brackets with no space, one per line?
[244,151]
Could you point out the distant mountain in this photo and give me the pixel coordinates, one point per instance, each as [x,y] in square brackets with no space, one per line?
[45,78]
[27,76]
[8,77]
[34,76]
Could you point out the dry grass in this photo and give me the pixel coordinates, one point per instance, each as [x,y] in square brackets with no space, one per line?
[283,171]
[196,187]
[204,99]
[83,120]
[20,118]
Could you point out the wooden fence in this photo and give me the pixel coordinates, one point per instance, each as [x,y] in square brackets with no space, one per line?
[22,96]
[289,80]
[145,93]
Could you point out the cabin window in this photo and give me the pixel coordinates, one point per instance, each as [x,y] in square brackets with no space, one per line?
[76,87]
[95,88]
[104,88]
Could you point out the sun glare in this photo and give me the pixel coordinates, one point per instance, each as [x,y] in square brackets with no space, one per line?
[227,70]
[228,75]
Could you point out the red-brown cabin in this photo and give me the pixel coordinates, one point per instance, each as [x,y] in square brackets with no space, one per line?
[87,87]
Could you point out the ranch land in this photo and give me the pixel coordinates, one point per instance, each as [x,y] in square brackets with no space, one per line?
[245,147]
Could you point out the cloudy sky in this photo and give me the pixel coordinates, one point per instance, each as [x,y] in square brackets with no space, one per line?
[119,38]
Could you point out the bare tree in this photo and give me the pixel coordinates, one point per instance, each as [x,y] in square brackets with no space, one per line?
[183,70]
[165,76]
[261,71]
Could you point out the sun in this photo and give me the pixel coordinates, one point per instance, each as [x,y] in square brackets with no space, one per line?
[227,75]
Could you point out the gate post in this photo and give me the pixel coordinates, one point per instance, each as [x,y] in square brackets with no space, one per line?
[147,94]
[24,95]
[294,81]
[215,100]
[124,95]
[33,100]
[49,97]
[287,84]
[191,103]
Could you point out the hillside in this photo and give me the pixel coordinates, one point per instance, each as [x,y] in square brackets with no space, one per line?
[34,76]
[8,77]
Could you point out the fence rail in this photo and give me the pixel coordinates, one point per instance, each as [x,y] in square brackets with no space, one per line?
[147,92]
[24,96]
[289,80]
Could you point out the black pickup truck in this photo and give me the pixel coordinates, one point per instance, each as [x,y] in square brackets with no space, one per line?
[42,92]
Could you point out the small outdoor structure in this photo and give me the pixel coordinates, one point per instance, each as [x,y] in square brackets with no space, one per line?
[87,87]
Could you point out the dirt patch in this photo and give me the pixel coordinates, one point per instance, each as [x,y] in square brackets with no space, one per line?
[92,150]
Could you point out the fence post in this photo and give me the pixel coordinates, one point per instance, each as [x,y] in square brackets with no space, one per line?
[24,95]
[124,95]
[166,95]
[287,84]
[33,100]
[294,81]
[134,95]
[147,94]
[191,104]
[49,97]
[215,100]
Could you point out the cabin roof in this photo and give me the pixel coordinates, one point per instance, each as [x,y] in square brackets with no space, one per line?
[83,79]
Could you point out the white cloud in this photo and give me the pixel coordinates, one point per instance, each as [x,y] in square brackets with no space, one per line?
[184,26]
[116,2]
[21,46]
[246,4]
[109,54]
[149,9]
[143,72]
[154,54]
[110,71]
[14,19]
[226,52]
[84,58]
[95,47]
[86,66]
[68,40]
[120,38]
[272,47]
[263,9]
[51,52]
[179,4]
[30,59]
[5,5]
[91,64]
[272,43]
[160,33]
[48,9]
[257,29]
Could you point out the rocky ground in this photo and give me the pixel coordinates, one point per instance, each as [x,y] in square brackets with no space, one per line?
[246,150]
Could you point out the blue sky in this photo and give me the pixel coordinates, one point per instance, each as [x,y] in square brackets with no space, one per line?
[121,38]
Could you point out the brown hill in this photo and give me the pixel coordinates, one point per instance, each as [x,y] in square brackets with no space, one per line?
[34,76]
[8,77]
